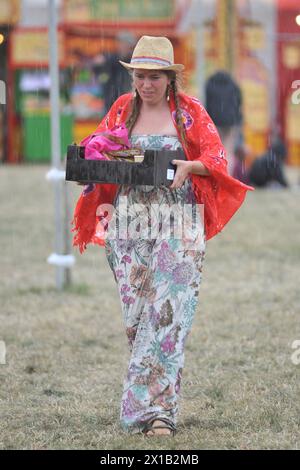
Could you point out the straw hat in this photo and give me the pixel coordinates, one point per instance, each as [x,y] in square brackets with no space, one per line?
[153,53]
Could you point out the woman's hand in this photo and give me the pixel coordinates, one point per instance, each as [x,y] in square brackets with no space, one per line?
[182,171]
[184,168]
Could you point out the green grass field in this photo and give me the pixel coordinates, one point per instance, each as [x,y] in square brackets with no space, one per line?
[67,352]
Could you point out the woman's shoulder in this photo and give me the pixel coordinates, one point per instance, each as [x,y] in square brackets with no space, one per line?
[119,108]
[123,99]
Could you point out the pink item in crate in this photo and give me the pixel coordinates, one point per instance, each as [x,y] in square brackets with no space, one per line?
[96,145]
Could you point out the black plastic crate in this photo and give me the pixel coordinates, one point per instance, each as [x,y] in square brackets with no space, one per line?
[155,170]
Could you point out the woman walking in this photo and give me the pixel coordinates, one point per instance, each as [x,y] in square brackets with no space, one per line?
[158,277]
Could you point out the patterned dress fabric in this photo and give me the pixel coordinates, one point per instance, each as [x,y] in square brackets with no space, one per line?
[158,279]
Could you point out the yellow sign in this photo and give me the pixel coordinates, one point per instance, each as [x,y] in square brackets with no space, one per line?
[293,121]
[291,56]
[222,33]
[255,97]
[32,47]
[9,11]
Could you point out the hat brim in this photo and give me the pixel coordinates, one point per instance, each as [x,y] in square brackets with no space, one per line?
[146,65]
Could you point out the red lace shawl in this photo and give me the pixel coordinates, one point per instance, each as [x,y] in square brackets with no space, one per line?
[221,194]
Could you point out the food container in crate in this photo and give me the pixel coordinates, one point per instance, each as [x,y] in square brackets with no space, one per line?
[153,168]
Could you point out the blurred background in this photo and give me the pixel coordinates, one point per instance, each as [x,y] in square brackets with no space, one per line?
[256,41]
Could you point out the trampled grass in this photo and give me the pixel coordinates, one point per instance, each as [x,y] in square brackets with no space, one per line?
[67,353]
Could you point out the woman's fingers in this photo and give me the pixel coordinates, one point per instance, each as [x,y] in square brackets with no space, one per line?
[176,184]
[180,174]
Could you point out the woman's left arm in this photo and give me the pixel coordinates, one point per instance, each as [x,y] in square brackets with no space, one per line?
[184,168]
[197,168]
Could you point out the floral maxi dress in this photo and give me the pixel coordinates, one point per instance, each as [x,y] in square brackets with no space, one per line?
[158,279]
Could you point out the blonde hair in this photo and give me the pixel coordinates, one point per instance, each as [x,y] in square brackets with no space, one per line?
[175,87]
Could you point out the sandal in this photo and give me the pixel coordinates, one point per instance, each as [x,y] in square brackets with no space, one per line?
[150,427]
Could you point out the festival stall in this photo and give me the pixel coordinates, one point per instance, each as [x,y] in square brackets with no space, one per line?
[288,69]
[86,29]
[91,28]
[30,100]
[9,17]
[236,42]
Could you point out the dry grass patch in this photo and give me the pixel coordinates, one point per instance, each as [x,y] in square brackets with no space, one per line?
[67,352]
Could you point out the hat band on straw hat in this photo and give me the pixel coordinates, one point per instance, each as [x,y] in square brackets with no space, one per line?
[150,60]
